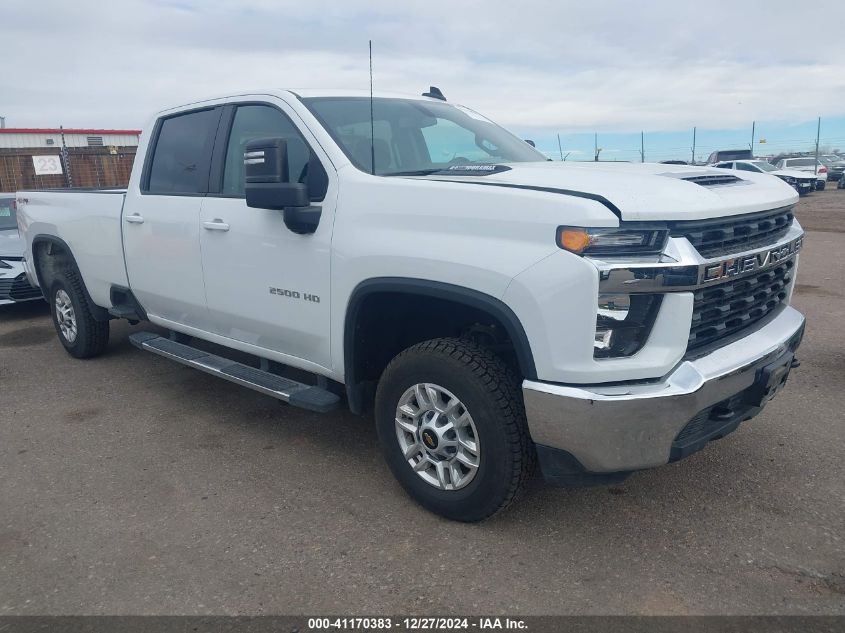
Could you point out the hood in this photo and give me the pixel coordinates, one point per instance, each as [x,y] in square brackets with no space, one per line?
[11,244]
[652,191]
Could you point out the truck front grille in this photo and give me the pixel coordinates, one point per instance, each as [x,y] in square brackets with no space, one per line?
[724,309]
[723,236]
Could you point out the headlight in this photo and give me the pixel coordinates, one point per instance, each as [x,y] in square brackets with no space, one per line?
[4,264]
[623,323]
[616,241]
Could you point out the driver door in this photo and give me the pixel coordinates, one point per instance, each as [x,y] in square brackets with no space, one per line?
[265,285]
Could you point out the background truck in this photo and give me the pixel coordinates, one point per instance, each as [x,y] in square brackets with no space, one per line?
[491,308]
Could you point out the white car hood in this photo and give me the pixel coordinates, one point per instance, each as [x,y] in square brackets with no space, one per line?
[11,244]
[649,191]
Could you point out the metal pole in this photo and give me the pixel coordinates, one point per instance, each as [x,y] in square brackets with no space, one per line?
[2,122]
[559,147]
[596,147]
[66,159]
[372,119]
[692,162]
[753,125]
[642,147]
[818,133]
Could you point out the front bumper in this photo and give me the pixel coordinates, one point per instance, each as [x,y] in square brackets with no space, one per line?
[14,284]
[612,430]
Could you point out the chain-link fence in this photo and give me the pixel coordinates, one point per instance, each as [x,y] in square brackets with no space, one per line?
[765,140]
[98,167]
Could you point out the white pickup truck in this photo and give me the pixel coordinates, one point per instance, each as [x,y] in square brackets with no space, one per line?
[412,259]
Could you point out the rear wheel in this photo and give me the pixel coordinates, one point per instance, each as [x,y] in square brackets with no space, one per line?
[451,423]
[82,335]
[820,185]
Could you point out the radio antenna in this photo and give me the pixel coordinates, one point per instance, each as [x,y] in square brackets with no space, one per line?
[372,120]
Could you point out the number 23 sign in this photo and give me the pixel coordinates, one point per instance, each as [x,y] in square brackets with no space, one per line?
[47,165]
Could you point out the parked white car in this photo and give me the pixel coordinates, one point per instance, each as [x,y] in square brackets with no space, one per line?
[14,285]
[802,182]
[807,165]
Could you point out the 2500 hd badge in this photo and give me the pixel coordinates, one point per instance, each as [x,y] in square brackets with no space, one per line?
[295,294]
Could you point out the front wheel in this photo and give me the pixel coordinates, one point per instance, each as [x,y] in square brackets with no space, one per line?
[452,426]
[82,335]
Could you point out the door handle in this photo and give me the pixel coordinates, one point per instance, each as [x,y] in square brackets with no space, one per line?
[134,219]
[216,225]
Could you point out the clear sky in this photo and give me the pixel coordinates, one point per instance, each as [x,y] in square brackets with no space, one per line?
[538,67]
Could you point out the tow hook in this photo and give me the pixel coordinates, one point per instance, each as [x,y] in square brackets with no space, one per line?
[795,363]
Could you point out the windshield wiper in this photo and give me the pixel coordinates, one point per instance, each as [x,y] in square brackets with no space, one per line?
[416,172]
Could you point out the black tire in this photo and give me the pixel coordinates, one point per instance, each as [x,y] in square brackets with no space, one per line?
[492,395]
[92,336]
[820,185]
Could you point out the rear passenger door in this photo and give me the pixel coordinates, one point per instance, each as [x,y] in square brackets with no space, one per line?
[161,219]
[267,286]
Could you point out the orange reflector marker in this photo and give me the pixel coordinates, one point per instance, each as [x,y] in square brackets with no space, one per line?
[575,240]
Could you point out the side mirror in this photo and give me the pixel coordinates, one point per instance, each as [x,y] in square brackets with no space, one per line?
[530,142]
[268,185]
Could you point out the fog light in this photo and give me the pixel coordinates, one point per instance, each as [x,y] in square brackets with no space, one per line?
[623,323]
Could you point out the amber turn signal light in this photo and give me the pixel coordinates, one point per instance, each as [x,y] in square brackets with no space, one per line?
[574,240]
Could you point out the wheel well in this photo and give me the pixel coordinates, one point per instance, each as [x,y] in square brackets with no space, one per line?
[51,258]
[387,318]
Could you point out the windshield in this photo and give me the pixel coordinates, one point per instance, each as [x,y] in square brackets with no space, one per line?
[7,214]
[412,137]
[761,164]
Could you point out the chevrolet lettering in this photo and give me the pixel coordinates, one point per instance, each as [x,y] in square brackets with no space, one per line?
[748,263]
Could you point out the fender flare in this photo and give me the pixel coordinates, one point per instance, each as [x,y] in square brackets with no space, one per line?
[99,313]
[459,294]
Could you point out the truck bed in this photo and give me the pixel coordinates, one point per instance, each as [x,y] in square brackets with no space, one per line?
[88,221]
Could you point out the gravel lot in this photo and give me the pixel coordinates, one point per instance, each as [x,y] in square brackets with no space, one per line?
[132,485]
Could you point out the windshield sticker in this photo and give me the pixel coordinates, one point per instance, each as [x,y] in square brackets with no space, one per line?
[477,169]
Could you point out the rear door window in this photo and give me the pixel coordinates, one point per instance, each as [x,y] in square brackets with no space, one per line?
[182,153]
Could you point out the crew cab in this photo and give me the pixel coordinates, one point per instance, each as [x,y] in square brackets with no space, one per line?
[406,257]
[802,182]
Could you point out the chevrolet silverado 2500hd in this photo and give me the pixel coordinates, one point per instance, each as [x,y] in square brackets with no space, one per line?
[491,308]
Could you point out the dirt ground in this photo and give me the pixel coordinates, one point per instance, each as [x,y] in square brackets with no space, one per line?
[132,485]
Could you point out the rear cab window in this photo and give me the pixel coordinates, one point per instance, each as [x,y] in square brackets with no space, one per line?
[181,155]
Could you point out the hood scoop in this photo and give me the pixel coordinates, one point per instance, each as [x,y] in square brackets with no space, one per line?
[707,178]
